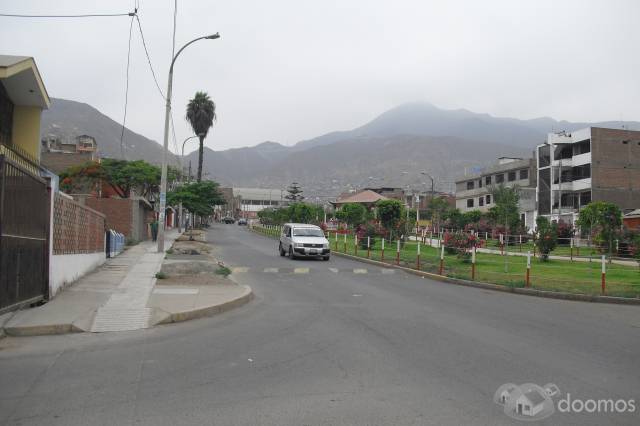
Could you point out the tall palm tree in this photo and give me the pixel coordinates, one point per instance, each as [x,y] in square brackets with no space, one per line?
[201,113]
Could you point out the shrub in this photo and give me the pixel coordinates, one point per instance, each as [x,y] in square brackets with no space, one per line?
[161,275]
[363,233]
[223,270]
[461,244]
[546,237]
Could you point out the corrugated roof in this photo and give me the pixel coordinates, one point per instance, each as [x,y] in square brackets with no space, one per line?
[633,214]
[365,196]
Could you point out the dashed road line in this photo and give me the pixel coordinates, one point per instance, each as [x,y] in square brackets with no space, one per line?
[301,271]
[271,270]
[360,271]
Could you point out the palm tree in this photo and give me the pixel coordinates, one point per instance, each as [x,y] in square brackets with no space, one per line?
[201,113]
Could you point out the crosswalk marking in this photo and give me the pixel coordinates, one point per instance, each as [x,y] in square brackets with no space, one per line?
[239,269]
[271,270]
[334,270]
[301,271]
[359,271]
[387,271]
[307,270]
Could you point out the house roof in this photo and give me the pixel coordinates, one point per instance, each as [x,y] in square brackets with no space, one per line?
[633,214]
[534,397]
[21,79]
[366,196]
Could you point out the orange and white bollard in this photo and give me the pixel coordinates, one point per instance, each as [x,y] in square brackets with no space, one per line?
[441,269]
[355,244]
[345,242]
[473,264]
[382,252]
[368,247]
[604,273]
[528,277]
[418,257]
[336,239]
[571,239]
[398,253]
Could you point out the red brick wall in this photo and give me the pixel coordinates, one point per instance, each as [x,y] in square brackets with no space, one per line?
[76,228]
[117,211]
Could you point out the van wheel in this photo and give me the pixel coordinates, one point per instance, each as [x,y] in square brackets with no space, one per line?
[291,255]
[282,252]
[325,258]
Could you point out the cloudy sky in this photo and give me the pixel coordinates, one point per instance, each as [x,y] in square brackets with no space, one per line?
[288,70]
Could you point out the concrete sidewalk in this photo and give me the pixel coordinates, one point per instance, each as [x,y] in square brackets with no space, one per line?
[121,296]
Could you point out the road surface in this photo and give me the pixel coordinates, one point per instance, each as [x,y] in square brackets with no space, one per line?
[329,343]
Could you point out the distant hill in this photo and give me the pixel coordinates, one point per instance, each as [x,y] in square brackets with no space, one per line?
[67,119]
[390,150]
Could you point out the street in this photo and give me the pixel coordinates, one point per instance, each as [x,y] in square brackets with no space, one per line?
[328,343]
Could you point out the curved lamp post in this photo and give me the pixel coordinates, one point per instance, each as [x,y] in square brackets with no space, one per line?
[163,178]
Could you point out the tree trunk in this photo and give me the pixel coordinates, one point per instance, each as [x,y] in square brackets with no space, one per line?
[200,155]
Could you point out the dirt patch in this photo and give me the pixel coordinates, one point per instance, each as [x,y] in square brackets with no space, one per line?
[190,247]
[196,279]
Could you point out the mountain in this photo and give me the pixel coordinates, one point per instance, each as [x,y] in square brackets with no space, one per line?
[67,119]
[390,150]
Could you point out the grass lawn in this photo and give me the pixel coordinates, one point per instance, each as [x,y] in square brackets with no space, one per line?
[554,275]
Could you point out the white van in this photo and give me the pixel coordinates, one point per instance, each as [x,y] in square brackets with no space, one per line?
[303,240]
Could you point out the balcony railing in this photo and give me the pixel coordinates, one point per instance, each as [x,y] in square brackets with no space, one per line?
[22,158]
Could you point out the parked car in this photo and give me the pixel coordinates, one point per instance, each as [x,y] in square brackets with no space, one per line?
[303,240]
[242,221]
[228,220]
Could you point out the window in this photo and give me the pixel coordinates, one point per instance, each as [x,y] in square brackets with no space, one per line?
[470,202]
[544,156]
[479,183]
[481,201]
[499,178]
[585,198]
[487,180]
[512,176]
[581,172]
[470,184]
[582,147]
[488,197]
[524,174]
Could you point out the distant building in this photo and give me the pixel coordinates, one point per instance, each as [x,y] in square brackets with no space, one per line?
[473,192]
[59,154]
[247,202]
[366,197]
[592,164]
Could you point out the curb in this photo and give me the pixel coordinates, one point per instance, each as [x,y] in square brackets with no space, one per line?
[498,287]
[42,330]
[208,310]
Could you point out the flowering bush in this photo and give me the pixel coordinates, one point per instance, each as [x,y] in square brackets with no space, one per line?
[461,243]
[546,237]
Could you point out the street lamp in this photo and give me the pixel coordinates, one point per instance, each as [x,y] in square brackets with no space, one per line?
[163,178]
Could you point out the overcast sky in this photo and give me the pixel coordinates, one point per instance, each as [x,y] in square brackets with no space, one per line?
[292,70]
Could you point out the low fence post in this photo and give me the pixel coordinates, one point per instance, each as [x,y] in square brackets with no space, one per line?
[473,264]
[431,238]
[520,243]
[528,277]
[368,247]
[355,244]
[571,255]
[336,240]
[604,273]
[418,257]
[441,269]
[382,252]
[398,252]
[345,242]
[501,245]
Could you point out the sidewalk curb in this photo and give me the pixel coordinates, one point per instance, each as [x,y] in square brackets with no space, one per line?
[42,330]
[207,310]
[498,287]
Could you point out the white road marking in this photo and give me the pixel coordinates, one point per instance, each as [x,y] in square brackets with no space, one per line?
[301,271]
[271,270]
[335,270]
[356,295]
[238,269]
[359,271]
[388,271]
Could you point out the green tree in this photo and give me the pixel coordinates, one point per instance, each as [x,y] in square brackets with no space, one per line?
[197,197]
[294,193]
[391,214]
[437,210]
[201,113]
[505,211]
[353,214]
[604,218]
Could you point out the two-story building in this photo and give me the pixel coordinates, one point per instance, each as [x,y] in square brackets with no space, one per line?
[473,192]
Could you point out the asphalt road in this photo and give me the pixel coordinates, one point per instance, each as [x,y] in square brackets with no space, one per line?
[335,343]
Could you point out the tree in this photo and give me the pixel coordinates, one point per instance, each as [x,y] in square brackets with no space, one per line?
[197,197]
[505,211]
[294,193]
[304,213]
[391,213]
[437,211]
[201,113]
[546,237]
[353,214]
[604,218]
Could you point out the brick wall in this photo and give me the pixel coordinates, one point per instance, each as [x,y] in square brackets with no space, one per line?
[117,211]
[77,229]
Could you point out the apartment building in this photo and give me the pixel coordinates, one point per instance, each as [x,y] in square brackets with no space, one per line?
[247,202]
[592,164]
[473,192]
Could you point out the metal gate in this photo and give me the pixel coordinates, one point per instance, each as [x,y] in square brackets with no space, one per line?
[24,230]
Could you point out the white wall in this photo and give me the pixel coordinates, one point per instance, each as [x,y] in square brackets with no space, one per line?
[67,268]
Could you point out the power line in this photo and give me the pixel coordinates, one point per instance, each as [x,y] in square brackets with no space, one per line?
[146,51]
[126,93]
[92,15]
